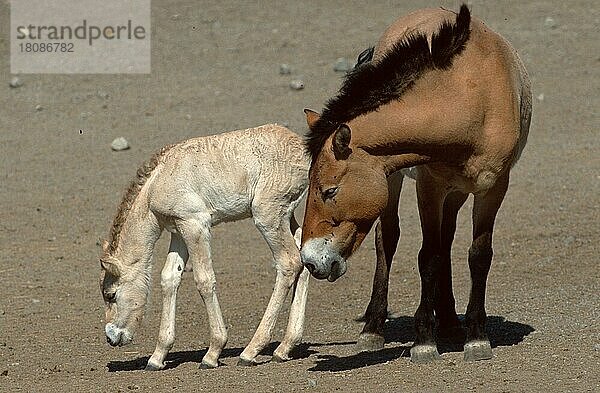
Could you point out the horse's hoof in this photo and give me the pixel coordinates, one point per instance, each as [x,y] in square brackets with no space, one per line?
[279,359]
[368,342]
[425,353]
[477,350]
[153,367]
[246,363]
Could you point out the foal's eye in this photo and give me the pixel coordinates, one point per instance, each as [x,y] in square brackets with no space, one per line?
[329,193]
[110,296]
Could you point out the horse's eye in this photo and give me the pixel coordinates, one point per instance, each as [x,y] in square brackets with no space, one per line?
[329,193]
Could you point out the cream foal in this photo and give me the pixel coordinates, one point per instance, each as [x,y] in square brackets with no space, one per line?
[186,189]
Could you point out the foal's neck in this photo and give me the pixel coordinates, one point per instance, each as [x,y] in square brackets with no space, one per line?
[140,233]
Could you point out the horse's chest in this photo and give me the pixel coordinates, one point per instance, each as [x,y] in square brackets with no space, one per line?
[468,179]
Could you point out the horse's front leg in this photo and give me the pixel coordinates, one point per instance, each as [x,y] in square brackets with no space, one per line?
[387,234]
[170,278]
[430,198]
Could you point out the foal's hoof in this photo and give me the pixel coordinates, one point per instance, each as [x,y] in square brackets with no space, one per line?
[279,358]
[425,353]
[477,350]
[368,342]
[206,366]
[246,363]
[153,367]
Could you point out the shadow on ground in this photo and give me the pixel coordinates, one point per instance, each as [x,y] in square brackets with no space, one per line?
[397,330]
[401,330]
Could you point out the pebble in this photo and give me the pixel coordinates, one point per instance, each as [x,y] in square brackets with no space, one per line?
[285,69]
[15,82]
[119,144]
[312,383]
[35,301]
[174,16]
[342,65]
[550,23]
[39,108]
[188,117]
[103,94]
[597,347]
[2,312]
[297,84]
[4,373]
[540,97]
[133,387]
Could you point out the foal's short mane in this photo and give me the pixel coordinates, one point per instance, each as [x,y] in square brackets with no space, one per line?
[371,85]
[130,195]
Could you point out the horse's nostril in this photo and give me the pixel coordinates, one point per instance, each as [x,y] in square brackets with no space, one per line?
[311,268]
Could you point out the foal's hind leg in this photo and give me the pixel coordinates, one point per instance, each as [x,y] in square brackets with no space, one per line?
[273,223]
[387,234]
[196,233]
[170,278]
[445,308]
[485,208]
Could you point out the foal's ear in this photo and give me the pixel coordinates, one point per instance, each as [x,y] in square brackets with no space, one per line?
[111,265]
[341,142]
[311,117]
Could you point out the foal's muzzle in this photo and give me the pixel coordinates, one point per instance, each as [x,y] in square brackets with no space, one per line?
[116,336]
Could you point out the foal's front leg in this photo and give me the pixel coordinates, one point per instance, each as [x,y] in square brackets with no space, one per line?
[170,278]
[288,265]
[197,237]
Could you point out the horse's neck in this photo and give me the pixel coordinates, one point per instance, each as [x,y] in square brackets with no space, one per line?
[428,123]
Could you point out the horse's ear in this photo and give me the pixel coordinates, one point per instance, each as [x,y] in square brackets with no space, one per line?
[311,117]
[341,142]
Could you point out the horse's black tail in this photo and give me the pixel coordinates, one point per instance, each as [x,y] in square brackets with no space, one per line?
[365,57]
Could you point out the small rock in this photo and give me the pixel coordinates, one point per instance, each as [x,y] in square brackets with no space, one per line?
[597,347]
[343,65]
[119,144]
[175,17]
[188,117]
[133,387]
[2,312]
[15,82]
[103,94]
[297,84]
[312,383]
[285,69]
[540,97]
[35,301]
[550,23]
[39,108]
[4,373]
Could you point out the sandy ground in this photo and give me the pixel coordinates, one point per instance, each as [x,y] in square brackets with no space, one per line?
[215,68]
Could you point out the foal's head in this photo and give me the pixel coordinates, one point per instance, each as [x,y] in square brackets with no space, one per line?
[125,288]
[347,192]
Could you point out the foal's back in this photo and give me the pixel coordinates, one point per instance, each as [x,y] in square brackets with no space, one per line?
[223,174]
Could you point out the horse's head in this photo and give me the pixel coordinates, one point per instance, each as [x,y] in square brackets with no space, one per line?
[125,289]
[347,192]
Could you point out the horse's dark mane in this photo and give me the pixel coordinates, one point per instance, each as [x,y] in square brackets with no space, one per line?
[371,85]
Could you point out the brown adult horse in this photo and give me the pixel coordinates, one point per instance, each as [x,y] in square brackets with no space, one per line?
[448,94]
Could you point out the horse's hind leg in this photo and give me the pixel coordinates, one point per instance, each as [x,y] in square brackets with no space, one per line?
[387,234]
[196,233]
[485,208]
[273,223]
[170,278]
[445,308]
[295,327]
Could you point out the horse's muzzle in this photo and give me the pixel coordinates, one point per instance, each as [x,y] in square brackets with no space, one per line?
[321,260]
[116,336]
